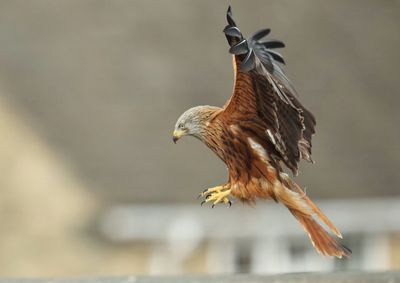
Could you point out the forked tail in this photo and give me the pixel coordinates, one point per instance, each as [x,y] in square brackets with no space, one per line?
[322,241]
[304,210]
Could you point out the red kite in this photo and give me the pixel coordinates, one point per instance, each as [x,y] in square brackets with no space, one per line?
[262,127]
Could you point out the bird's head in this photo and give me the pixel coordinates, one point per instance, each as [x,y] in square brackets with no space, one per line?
[193,122]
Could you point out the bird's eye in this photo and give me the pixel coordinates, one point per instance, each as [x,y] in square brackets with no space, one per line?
[181,126]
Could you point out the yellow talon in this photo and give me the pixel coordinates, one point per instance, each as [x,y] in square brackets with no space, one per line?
[217,194]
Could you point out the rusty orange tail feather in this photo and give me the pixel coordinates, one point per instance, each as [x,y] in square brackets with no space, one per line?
[323,242]
[316,210]
[295,199]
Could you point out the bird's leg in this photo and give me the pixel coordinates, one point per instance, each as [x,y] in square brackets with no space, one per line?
[217,194]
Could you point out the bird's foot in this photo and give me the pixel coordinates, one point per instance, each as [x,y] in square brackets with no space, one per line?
[216,195]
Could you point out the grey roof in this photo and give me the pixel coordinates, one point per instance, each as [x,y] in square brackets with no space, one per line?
[311,277]
[103,82]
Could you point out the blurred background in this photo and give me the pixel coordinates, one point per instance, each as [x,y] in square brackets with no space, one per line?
[91,183]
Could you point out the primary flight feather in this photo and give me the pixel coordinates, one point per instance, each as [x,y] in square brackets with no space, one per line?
[260,129]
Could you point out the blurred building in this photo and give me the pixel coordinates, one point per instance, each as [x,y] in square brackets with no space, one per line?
[260,240]
[91,182]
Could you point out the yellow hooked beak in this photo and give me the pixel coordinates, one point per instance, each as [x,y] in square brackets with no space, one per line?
[177,135]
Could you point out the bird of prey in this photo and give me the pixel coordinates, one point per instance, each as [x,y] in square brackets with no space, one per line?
[261,128]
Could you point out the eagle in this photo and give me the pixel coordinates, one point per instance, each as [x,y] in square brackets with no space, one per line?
[260,130]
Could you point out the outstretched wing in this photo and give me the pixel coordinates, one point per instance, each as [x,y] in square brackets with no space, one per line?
[264,103]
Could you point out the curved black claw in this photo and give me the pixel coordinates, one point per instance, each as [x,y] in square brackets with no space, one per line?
[230,203]
[203,202]
[213,206]
[207,196]
[202,193]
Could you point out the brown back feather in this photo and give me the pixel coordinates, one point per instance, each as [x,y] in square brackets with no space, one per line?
[262,91]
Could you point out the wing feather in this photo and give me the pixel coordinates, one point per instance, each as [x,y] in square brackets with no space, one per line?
[264,99]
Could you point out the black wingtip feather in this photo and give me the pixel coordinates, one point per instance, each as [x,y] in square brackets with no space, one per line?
[271,44]
[248,62]
[252,47]
[239,48]
[260,34]
[277,57]
[229,17]
[233,31]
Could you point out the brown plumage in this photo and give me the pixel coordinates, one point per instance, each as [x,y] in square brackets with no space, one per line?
[261,128]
